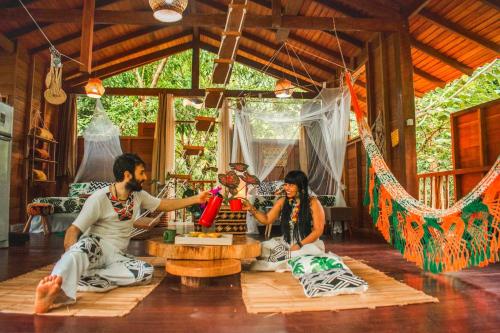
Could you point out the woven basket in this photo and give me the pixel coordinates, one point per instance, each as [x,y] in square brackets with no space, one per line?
[228,222]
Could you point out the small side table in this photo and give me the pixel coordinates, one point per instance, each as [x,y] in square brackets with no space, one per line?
[344,215]
[42,210]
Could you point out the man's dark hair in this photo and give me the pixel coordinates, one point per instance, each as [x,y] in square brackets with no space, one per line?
[126,162]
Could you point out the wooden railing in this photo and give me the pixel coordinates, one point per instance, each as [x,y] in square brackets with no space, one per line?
[438,189]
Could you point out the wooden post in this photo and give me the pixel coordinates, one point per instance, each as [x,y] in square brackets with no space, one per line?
[87,35]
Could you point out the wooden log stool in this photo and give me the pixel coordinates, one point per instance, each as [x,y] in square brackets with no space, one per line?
[197,273]
[42,210]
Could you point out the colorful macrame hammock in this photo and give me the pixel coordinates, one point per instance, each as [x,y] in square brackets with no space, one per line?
[437,240]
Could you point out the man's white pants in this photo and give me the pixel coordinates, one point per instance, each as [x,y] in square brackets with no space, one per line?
[92,264]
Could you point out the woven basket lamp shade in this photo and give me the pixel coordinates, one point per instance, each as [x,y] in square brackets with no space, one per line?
[94,88]
[283,89]
[168,10]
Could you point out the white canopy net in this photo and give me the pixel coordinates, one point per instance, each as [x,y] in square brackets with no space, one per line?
[101,147]
[266,130]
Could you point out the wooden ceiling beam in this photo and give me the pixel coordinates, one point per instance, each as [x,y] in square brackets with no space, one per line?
[31,27]
[271,45]
[492,3]
[428,77]
[65,39]
[459,30]
[331,5]
[412,11]
[292,7]
[441,57]
[258,66]
[130,64]
[115,91]
[87,36]
[6,44]
[130,53]
[209,20]
[296,77]
[376,9]
[113,42]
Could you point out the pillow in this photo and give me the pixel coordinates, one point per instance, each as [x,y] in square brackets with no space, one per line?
[42,153]
[42,132]
[77,189]
[307,264]
[332,282]
[268,188]
[95,185]
[39,175]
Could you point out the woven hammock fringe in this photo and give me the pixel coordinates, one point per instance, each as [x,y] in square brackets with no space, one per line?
[465,235]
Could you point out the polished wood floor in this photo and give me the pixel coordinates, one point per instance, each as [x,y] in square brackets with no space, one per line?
[469,300]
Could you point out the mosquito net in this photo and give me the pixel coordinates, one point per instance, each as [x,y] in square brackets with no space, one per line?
[266,130]
[101,147]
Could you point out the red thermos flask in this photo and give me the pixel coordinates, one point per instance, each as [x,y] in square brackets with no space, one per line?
[208,216]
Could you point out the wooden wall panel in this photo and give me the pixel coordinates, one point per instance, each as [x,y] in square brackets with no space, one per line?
[476,142]
[23,91]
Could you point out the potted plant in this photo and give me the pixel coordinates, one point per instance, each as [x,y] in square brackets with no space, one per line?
[231,181]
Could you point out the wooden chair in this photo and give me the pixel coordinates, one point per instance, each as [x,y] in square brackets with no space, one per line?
[345,215]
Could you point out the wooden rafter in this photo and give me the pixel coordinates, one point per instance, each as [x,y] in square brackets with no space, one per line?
[259,66]
[459,30]
[284,66]
[428,77]
[186,92]
[130,53]
[331,5]
[438,55]
[130,64]
[73,37]
[195,61]
[30,28]
[87,36]
[413,10]
[6,44]
[492,3]
[209,20]
[120,39]
[292,7]
[374,8]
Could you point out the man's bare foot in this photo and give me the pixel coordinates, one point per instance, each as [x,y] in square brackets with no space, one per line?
[46,292]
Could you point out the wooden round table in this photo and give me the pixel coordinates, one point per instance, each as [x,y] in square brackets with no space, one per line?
[196,264]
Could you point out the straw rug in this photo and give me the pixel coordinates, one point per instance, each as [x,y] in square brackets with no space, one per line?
[17,295]
[281,292]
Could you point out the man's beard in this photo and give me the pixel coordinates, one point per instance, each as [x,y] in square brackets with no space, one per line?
[133,185]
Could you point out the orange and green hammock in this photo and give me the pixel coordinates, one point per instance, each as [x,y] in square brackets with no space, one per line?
[438,240]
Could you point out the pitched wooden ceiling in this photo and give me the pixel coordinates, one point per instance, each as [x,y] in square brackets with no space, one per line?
[449,38]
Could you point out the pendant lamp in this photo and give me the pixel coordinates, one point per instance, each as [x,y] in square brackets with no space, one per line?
[283,89]
[168,10]
[94,88]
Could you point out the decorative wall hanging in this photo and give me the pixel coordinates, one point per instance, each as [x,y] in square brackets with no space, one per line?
[54,93]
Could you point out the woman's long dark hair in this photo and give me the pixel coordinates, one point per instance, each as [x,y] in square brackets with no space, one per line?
[303,227]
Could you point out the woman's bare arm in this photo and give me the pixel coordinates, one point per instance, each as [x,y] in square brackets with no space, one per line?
[270,216]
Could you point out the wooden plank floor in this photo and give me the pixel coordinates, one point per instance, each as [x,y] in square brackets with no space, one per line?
[464,305]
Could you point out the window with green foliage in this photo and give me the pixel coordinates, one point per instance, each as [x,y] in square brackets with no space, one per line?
[173,72]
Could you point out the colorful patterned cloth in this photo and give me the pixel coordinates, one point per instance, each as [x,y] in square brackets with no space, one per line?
[464,235]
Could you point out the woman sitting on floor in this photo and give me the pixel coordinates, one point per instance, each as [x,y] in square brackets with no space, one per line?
[302,222]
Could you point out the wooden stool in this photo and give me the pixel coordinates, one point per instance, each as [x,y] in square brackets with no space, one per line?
[197,273]
[42,210]
[344,215]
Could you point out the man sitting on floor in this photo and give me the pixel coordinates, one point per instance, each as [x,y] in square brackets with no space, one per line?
[97,261]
